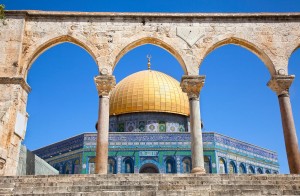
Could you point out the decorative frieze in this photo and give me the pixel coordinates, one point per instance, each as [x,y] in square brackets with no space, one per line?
[192,85]
[104,84]
[280,84]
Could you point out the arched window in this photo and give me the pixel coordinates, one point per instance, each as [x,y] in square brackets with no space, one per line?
[242,169]
[186,165]
[76,166]
[58,168]
[260,171]
[232,168]
[129,165]
[207,164]
[268,171]
[170,165]
[251,170]
[67,168]
[111,166]
[275,172]
[92,165]
[222,168]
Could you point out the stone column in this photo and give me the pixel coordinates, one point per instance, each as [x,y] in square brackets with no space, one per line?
[281,84]
[104,84]
[192,86]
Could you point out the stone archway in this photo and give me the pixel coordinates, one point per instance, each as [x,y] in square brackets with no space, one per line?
[149,168]
[245,44]
[154,41]
[108,36]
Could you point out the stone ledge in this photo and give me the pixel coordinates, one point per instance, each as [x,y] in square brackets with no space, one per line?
[235,16]
[17,80]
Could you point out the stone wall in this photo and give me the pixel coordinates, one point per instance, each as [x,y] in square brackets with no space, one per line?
[30,164]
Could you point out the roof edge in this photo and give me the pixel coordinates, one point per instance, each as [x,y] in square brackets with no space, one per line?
[153,14]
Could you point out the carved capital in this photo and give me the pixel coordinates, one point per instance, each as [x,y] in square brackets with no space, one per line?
[192,85]
[18,80]
[104,84]
[280,84]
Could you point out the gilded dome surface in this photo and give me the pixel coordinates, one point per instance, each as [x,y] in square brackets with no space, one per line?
[148,91]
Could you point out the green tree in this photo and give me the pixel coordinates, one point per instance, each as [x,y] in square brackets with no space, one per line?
[2,16]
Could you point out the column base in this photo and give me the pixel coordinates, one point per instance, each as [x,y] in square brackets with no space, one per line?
[101,173]
[198,170]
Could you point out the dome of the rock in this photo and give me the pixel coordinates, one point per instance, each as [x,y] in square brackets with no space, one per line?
[148,91]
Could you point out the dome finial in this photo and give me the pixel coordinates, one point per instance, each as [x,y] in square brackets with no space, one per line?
[149,58]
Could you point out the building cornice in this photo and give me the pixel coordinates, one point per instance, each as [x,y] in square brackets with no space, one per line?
[271,16]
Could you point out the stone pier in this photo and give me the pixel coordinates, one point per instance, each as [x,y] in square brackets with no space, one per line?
[104,85]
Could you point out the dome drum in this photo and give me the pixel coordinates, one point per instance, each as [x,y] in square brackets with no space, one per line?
[149,122]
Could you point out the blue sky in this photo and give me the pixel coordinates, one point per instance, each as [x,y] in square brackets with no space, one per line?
[235,100]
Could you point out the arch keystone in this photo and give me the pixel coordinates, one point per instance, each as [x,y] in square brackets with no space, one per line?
[190,34]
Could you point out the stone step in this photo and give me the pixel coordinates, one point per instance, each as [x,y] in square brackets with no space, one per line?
[6,190]
[155,184]
[169,179]
[158,176]
[135,182]
[171,193]
[92,188]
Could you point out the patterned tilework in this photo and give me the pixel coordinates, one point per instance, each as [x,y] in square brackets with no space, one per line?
[148,122]
[244,148]
[156,146]
[64,146]
[182,140]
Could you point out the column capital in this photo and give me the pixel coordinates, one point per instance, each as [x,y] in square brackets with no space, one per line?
[280,84]
[104,84]
[192,85]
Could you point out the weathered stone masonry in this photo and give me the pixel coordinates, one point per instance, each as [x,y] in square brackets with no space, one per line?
[24,35]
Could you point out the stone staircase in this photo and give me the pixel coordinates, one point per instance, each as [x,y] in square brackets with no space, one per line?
[151,184]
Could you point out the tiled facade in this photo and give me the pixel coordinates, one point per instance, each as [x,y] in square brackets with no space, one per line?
[167,152]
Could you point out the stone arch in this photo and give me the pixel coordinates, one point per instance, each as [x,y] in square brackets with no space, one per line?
[128,165]
[67,168]
[207,164]
[53,42]
[149,168]
[259,171]
[242,169]
[153,41]
[247,45]
[232,169]
[222,166]
[293,47]
[251,170]
[170,164]
[186,165]
[291,52]
[112,165]
[76,166]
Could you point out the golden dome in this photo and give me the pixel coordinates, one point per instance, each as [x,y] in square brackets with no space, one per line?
[148,91]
